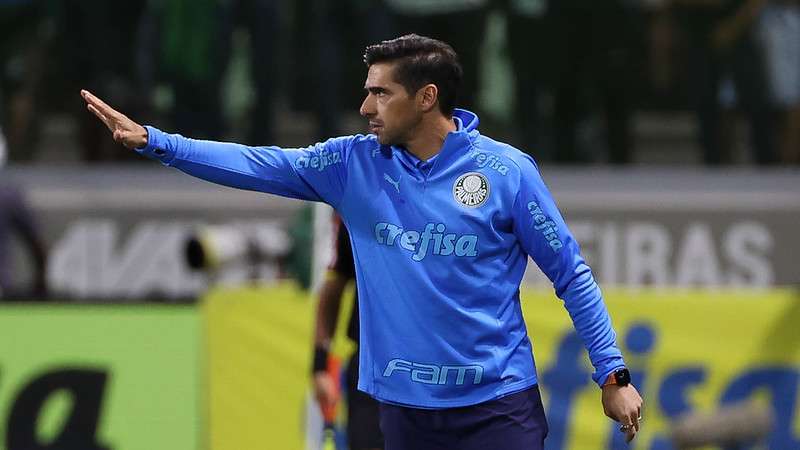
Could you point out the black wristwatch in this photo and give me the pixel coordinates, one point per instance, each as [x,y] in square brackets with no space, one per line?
[620,377]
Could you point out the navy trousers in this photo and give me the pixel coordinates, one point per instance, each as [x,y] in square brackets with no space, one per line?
[512,422]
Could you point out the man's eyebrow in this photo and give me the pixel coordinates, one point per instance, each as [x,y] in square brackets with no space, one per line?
[375,89]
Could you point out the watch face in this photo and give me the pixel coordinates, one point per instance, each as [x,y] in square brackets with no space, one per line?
[623,377]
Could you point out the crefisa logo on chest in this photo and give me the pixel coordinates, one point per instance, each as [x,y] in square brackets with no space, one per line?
[471,189]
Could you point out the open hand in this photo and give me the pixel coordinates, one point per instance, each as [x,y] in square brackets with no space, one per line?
[124,130]
[623,404]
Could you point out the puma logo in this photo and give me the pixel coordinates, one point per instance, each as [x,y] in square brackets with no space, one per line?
[396,184]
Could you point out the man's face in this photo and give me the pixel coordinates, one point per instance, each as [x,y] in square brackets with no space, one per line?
[392,112]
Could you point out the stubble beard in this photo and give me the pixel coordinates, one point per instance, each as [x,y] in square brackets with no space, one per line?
[392,139]
[399,138]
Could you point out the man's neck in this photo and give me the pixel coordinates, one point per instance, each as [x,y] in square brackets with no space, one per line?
[430,136]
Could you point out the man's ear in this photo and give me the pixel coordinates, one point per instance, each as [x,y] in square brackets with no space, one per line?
[427,97]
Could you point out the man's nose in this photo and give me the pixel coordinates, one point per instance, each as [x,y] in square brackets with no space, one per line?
[366,109]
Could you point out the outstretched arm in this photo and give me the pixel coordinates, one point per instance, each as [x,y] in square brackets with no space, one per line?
[316,173]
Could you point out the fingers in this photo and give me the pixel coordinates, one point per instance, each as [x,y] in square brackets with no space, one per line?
[630,434]
[631,424]
[100,116]
[634,420]
[630,428]
[124,130]
[100,105]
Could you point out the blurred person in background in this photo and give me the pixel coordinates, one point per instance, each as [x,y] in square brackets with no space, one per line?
[363,428]
[23,43]
[188,42]
[341,27]
[444,350]
[259,19]
[597,46]
[24,40]
[779,30]
[461,23]
[17,221]
[186,46]
[720,40]
[528,41]
[93,47]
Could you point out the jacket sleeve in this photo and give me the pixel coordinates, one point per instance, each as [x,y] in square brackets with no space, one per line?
[316,173]
[544,235]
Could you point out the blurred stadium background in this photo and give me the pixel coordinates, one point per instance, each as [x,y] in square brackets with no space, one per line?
[118,334]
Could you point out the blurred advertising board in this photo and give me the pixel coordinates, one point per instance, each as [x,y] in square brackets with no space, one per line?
[120,232]
[682,227]
[689,351]
[100,377]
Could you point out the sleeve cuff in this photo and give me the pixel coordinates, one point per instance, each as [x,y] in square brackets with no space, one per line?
[158,146]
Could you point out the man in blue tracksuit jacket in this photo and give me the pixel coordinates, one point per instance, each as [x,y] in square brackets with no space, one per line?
[442,220]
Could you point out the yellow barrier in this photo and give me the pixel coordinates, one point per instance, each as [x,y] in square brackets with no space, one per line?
[259,344]
[688,350]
